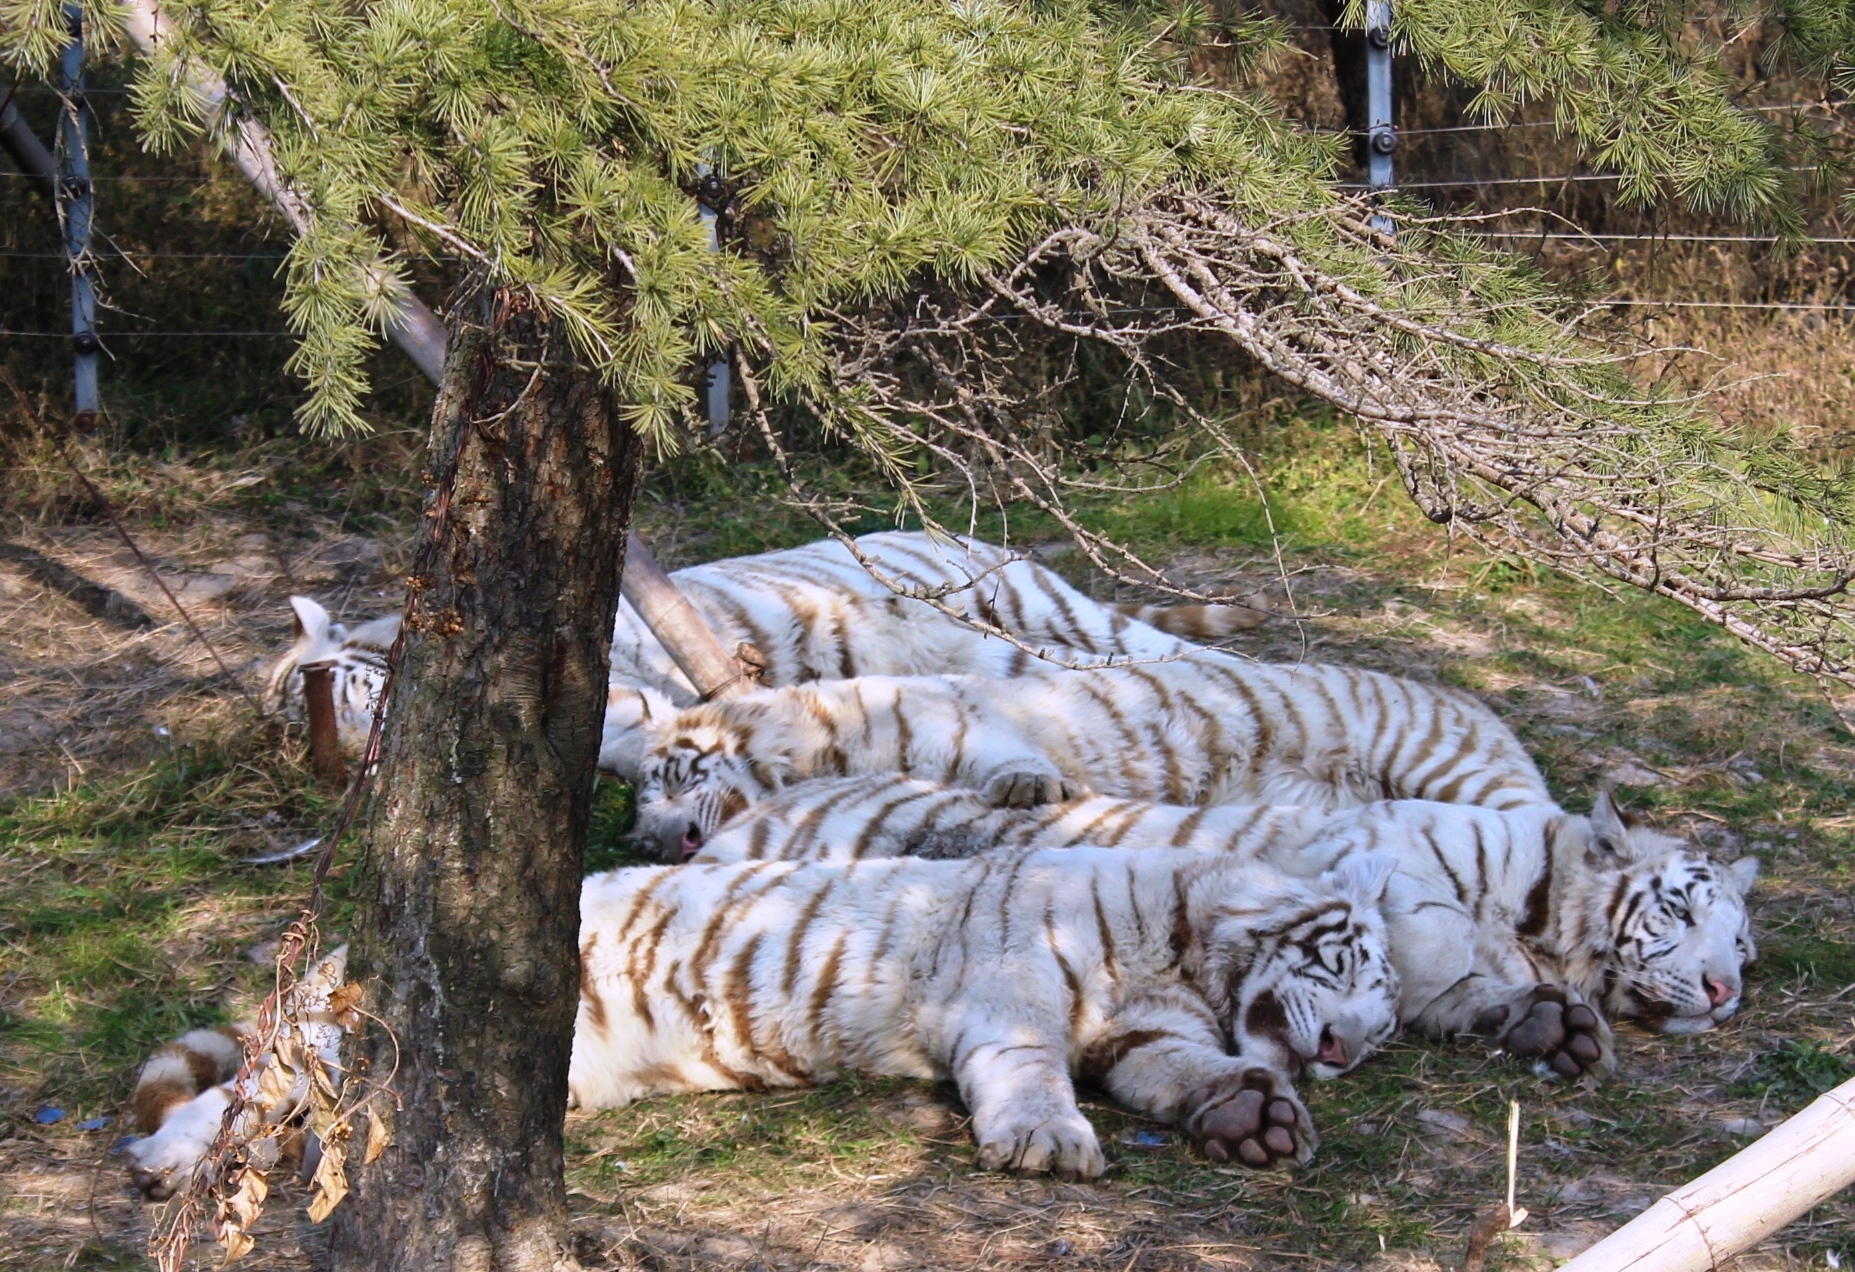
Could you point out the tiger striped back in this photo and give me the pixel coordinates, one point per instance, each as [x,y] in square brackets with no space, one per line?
[1012,974]
[881,815]
[1203,728]
[815,613]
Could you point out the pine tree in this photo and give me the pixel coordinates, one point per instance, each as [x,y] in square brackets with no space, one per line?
[916,197]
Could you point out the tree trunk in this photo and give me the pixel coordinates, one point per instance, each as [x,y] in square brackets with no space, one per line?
[466,932]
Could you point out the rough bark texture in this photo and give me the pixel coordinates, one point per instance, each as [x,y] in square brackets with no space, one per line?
[468,888]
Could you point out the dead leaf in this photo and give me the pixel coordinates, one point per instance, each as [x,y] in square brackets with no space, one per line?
[377,1139]
[330,1183]
[342,1003]
[237,1244]
[238,1210]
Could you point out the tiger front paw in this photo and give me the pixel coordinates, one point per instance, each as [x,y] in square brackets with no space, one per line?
[1249,1118]
[1569,1039]
[1063,1144]
[1026,788]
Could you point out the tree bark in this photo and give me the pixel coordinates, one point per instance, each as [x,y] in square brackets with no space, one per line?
[466,932]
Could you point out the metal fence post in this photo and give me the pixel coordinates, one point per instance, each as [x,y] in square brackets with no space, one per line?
[710,193]
[74,214]
[1381,132]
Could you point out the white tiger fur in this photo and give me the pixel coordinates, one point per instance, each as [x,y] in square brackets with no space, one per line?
[1203,728]
[182,1094]
[1503,923]
[1192,988]
[814,613]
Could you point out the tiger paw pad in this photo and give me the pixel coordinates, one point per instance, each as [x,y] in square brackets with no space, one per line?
[1245,1121]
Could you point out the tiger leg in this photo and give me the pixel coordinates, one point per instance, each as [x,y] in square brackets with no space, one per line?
[1564,1033]
[1015,1081]
[1171,1064]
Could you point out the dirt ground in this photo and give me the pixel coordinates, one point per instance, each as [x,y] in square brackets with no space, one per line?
[133,780]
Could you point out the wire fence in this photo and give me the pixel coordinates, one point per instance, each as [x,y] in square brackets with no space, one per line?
[1572,236]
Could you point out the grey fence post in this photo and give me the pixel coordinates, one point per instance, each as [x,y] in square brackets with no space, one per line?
[1381,132]
[74,213]
[720,384]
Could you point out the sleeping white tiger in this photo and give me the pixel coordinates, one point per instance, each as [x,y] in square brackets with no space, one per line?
[1203,728]
[1175,981]
[1507,924]
[1514,925]
[1192,988]
[814,613]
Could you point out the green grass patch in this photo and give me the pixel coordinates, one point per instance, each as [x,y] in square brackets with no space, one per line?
[125,909]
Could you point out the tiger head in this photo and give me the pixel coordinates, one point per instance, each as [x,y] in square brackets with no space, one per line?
[1317,991]
[319,638]
[696,774]
[1675,923]
[631,712]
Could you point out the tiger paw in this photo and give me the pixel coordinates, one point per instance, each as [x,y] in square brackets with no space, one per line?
[1026,788]
[1568,1038]
[1250,1119]
[1063,1144]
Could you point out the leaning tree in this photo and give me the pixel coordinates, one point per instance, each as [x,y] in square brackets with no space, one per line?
[922,206]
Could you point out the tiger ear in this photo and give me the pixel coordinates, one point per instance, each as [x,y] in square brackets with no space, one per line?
[1364,877]
[1610,834]
[1744,872]
[311,619]
[378,633]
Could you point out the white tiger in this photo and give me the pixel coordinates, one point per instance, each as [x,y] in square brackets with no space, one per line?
[814,613]
[1203,728]
[1192,988]
[1509,924]
[1177,982]
[1515,925]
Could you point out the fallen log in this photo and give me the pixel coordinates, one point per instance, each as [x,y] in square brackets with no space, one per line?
[419,333]
[1743,1200]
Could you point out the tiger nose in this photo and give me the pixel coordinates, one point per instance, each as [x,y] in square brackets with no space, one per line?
[1720,992]
[692,841]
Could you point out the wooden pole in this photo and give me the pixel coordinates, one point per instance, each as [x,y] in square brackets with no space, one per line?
[673,620]
[324,729]
[1741,1201]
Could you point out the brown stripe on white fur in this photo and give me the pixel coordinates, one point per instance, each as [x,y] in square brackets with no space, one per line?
[1203,623]
[182,1069]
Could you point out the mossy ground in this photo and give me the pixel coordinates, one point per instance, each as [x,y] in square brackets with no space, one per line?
[127,915]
